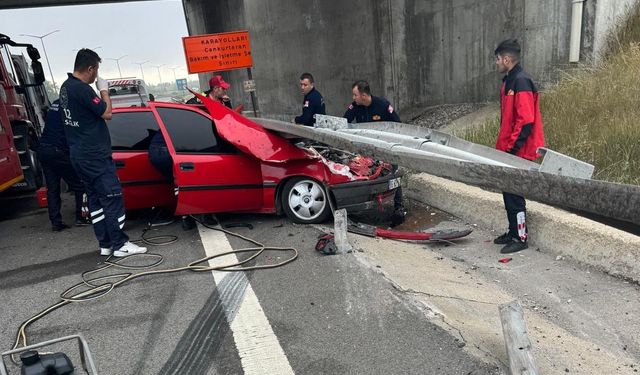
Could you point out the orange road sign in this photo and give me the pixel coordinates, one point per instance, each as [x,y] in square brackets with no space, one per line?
[216,52]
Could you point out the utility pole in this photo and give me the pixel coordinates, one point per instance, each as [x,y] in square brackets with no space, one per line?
[41,37]
[140,64]
[117,62]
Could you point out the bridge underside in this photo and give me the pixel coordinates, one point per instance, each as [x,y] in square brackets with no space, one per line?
[17,4]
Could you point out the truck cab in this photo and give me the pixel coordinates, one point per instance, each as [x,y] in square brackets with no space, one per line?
[128,92]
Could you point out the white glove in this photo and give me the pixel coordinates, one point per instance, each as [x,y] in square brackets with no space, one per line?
[102,85]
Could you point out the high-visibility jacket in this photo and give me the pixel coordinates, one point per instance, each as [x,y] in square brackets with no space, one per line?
[521,131]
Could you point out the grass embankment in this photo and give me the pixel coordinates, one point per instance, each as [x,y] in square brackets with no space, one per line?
[594,114]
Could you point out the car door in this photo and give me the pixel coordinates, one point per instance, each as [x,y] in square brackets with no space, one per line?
[210,174]
[142,185]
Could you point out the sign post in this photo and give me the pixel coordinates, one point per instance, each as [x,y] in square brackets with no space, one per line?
[220,52]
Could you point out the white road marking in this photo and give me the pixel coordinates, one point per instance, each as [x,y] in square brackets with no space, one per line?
[259,349]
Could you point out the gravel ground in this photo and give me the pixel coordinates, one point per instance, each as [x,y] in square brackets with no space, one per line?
[438,116]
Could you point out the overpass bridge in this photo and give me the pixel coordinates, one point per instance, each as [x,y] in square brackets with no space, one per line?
[414,52]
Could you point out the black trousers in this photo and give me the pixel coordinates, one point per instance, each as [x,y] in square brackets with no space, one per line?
[106,204]
[160,158]
[56,166]
[516,208]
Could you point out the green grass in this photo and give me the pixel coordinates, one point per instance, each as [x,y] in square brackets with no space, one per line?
[593,114]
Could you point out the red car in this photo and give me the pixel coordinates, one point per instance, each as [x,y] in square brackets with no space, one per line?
[224,162]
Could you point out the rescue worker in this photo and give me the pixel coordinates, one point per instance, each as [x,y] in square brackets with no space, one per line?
[369,108]
[521,134]
[312,104]
[217,91]
[160,158]
[53,153]
[84,115]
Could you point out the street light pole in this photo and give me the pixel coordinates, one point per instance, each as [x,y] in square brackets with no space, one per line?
[140,64]
[118,63]
[159,75]
[41,37]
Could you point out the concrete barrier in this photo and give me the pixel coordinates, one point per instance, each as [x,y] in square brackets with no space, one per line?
[552,230]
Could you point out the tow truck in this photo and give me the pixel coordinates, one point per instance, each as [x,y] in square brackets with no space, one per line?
[128,92]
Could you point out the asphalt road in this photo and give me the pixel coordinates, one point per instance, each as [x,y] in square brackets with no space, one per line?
[327,314]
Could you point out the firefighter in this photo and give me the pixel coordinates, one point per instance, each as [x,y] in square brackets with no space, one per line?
[53,153]
[84,115]
[312,104]
[217,91]
[369,108]
[520,134]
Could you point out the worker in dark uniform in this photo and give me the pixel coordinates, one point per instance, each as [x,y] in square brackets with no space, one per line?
[369,108]
[84,115]
[53,153]
[312,104]
[217,91]
[520,134]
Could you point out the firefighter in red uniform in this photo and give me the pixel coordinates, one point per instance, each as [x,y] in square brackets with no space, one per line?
[520,134]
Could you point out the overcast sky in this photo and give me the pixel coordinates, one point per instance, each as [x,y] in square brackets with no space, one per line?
[148,30]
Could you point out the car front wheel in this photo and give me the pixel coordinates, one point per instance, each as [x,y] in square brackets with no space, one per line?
[305,201]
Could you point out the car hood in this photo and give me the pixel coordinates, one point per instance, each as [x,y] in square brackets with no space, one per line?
[250,137]
[254,139]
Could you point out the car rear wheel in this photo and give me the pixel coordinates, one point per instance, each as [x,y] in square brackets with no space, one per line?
[305,201]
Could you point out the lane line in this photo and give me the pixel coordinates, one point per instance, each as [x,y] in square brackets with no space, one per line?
[259,349]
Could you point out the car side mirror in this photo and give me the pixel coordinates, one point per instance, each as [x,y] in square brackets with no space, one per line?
[38,72]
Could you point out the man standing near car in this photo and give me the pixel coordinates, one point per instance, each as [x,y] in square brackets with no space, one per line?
[520,134]
[369,108]
[312,104]
[84,115]
[53,153]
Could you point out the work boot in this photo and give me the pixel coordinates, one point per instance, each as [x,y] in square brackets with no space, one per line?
[503,239]
[129,248]
[83,222]
[188,223]
[398,217]
[209,219]
[514,246]
[59,227]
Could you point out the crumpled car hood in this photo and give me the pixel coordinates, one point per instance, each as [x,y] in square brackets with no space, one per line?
[250,137]
[253,139]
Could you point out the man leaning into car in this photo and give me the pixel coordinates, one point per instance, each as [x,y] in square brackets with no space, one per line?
[369,108]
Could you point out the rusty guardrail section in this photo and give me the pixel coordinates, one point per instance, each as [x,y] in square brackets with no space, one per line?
[566,184]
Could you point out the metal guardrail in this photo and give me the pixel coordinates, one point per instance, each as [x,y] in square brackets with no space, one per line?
[564,182]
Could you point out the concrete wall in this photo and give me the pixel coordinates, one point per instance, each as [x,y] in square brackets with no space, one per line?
[414,52]
[608,15]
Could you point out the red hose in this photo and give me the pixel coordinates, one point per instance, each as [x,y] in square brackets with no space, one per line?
[398,235]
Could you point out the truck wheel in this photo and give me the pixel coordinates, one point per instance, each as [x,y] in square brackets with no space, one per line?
[31,168]
[305,201]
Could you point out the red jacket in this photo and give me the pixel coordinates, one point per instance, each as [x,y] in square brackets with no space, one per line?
[521,131]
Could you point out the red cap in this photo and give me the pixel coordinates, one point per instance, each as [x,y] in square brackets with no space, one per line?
[218,81]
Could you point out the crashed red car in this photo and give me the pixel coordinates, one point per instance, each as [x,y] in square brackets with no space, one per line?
[224,162]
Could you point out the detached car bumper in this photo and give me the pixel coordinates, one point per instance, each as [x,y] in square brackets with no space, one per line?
[365,195]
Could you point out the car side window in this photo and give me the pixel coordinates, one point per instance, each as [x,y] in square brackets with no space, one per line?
[191,132]
[132,131]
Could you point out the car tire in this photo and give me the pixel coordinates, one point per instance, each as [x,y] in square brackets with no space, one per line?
[305,201]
